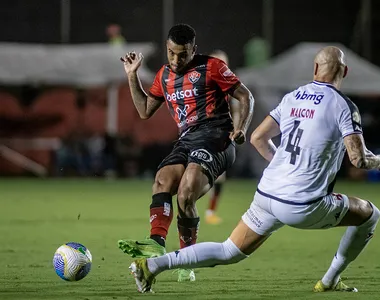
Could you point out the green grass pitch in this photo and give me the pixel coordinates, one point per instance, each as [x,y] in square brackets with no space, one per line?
[37,216]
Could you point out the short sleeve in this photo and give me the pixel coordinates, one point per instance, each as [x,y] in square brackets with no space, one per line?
[349,119]
[223,76]
[276,114]
[156,89]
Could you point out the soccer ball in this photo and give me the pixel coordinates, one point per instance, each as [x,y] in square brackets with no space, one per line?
[72,261]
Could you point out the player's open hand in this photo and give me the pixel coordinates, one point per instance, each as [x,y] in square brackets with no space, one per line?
[238,136]
[132,62]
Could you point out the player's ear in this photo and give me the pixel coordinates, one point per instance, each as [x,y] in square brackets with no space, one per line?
[195,49]
[345,71]
[315,69]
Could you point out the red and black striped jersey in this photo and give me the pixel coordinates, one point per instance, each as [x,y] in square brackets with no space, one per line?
[199,95]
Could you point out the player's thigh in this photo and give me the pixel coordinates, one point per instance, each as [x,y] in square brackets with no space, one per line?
[168,178]
[193,183]
[259,217]
[322,214]
[246,239]
[221,178]
[170,170]
[359,211]
[256,225]
[213,163]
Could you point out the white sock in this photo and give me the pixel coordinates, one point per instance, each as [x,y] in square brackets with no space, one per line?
[210,212]
[197,256]
[352,243]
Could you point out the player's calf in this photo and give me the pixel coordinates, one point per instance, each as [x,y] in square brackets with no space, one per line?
[161,209]
[362,219]
[187,231]
[187,220]
[191,187]
[161,216]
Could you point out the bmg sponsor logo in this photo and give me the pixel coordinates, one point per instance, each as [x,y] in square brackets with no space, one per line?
[311,97]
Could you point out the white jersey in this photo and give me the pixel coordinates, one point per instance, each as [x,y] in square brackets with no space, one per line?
[313,121]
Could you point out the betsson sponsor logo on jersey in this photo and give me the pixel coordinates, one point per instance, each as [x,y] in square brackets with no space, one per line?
[179,95]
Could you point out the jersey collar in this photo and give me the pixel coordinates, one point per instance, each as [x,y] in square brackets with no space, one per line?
[321,83]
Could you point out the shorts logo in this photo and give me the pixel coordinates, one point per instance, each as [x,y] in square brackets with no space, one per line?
[204,167]
[202,154]
[194,76]
[182,113]
[254,219]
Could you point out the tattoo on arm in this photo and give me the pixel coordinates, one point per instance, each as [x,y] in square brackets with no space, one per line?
[266,148]
[146,106]
[357,154]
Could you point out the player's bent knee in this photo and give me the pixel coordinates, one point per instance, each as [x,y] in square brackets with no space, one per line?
[166,182]
[375,214]
[192,185]
[232,253]
[359,212]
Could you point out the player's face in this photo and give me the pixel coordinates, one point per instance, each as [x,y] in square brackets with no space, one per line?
[179,56]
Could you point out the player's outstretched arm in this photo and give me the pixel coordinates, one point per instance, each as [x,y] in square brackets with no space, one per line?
[146,106]
[359,155]
[261,138]
[247,103]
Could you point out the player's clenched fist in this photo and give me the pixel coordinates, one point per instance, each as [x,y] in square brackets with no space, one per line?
[132,62]
[238,136]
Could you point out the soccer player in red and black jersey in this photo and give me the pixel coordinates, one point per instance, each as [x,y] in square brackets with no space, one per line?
[195,89]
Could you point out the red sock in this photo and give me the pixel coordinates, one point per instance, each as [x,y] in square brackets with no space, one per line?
[215,197]
[161,216]
[187,231]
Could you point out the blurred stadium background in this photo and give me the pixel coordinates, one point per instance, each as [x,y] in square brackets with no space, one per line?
[65,107]
[66,113]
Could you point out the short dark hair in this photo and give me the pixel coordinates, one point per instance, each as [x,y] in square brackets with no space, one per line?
[182,34]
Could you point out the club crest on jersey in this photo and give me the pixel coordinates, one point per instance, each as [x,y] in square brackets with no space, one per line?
[194,76]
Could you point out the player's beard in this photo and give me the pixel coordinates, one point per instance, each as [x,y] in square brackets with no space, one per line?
[177,69]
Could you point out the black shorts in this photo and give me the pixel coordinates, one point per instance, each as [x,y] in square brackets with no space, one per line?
[209,147]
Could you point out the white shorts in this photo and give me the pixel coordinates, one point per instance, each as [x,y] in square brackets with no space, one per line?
[266,215]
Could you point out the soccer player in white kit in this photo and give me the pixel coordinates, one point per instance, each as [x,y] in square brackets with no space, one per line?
[318,124]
